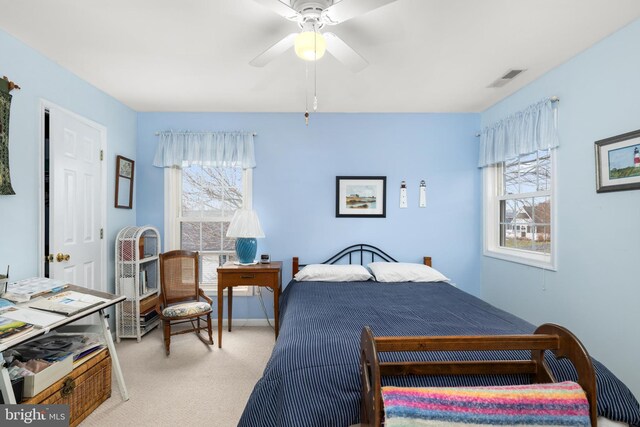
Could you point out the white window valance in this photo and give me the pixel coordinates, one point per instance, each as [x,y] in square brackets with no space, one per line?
[527,131]
[214,149]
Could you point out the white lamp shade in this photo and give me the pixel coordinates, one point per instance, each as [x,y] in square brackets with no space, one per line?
[310,45]
[245,223]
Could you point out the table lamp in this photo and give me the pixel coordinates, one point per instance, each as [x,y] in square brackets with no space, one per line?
[245,228]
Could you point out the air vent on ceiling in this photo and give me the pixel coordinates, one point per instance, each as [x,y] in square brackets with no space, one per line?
[506,78]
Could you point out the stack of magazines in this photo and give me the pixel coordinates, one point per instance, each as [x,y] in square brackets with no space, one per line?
[148,318]
[10,328]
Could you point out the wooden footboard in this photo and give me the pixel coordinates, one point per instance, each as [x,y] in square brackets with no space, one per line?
[547,337]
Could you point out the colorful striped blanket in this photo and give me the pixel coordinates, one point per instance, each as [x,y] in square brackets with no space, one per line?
[557,404]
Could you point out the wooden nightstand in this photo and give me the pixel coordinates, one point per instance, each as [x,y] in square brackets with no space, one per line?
[267,275]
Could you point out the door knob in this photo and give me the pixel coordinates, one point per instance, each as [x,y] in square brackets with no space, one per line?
[63,257]
[49,258]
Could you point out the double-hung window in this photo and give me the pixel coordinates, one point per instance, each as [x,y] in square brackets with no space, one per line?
[200,202]
[519,209]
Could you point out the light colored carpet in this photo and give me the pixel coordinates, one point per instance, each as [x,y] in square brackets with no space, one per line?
[195,385]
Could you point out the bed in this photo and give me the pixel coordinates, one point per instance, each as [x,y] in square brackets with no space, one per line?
[313,378]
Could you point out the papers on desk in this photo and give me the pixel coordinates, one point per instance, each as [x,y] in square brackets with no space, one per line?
[39,319]
[4,303]
[10,328]
[24,290]
[67,303]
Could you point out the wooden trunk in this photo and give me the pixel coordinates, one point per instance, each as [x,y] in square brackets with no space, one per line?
[84,389]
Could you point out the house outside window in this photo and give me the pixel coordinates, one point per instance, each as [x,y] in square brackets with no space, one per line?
[519,210]
[200,203]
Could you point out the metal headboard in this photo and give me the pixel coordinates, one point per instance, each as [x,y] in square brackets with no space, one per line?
[360,249]
[355,254]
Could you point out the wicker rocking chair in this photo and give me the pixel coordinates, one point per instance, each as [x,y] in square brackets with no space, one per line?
[180,301]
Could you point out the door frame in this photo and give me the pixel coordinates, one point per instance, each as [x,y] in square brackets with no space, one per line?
[48,105]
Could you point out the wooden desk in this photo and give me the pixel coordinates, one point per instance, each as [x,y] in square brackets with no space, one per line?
[267,275]
[5,382]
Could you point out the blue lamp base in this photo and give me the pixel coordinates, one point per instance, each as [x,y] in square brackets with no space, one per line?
[246,248]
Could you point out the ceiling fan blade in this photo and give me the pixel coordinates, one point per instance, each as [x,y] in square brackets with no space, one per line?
[347,9]
[271,53]
[280,8]
[344,53]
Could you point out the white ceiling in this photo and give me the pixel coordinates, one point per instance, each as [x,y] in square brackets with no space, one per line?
[424,55]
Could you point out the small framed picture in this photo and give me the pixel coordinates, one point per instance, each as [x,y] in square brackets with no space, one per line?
[361,196]
[124,182]
[618,162]
[125,167]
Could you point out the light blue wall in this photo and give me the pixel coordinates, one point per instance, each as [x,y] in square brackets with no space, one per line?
[294,185]
[41,78]
[596,290]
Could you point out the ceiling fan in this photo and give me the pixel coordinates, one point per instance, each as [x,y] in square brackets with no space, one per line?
[312,15]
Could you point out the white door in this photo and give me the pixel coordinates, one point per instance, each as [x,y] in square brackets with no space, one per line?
[75,209]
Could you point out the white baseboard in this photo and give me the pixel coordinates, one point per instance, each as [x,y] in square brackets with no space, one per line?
[247,322]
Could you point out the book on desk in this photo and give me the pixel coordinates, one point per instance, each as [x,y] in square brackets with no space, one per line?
[67,303]
[10,328]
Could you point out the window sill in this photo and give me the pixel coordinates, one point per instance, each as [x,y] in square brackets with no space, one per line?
[544,262]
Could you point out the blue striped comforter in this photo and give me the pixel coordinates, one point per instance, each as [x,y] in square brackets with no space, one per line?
[313,379]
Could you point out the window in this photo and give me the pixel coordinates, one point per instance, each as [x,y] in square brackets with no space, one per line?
[200,202]
[519,210]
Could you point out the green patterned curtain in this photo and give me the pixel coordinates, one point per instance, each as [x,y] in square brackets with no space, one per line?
[5,107]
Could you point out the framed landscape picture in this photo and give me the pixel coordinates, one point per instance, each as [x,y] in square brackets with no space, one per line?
[361,196]
[618,163]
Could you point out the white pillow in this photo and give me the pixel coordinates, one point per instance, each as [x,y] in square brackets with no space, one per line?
[332,273]
[405,272]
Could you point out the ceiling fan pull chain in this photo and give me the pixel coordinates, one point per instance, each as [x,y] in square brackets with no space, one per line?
[315,89]
[315,70]
[306,94]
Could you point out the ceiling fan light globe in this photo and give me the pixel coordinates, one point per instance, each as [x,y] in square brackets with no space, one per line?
[310,45]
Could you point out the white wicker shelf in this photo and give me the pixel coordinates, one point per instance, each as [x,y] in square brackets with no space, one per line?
[137,278]
[143,296]
[141,261]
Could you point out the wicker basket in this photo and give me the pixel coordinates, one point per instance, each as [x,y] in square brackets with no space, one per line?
[83,390]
